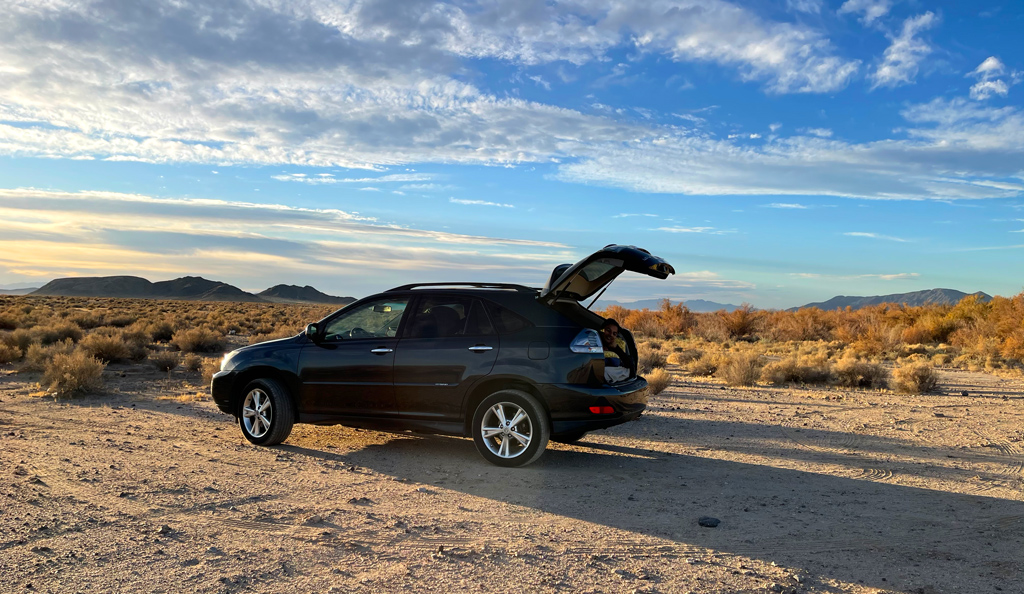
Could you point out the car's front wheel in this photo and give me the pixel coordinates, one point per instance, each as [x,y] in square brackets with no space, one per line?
[266,416]
[511,428]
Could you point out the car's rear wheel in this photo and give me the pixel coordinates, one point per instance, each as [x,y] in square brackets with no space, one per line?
[266,416]
[568,437]
[510,428]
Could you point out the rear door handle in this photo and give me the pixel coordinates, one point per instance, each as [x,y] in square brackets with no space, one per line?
[382,350]
[480,348]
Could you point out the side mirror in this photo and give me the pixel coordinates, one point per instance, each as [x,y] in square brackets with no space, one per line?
[312,331]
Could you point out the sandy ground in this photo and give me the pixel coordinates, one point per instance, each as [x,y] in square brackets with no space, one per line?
[816,491]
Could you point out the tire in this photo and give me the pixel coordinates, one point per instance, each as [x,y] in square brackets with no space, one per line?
[569,437]
[275,423]
[507,443]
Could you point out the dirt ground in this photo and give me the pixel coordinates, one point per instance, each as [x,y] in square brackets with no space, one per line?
[143,490]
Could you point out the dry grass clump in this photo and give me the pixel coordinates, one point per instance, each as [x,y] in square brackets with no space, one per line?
[160,331]
[650,358]
[210,367]
[705,365]
[658,380]
[38,356]
[8,322]
[9,354]
[192,362]
[796,371]
[914,378]
[198,340]
[71,374]
[272,335]
[108,348]
[56,332]
[164,360]
[684,356]
[20,339]
[853,373]
[741,369]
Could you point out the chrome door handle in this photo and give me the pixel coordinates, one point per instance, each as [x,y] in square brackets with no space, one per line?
[382,350]
[480,348]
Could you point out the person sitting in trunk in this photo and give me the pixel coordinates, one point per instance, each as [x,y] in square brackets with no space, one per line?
[616,353]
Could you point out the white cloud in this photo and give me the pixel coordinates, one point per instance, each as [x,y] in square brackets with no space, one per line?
[703,230]
[808,6]
[819,132]
[900,63]
[327,178]
[630,214]
[876,236]
[896,276]
[785,205]
[49,234]
[989,83]
[479,203]
[871,10]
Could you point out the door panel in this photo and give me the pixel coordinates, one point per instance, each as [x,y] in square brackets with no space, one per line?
[349,369]
[432,374]
[347,378]
[449,344]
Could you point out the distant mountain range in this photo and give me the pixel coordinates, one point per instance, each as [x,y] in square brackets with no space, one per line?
[695,305]
[18,291]
[189,288]
[913,299]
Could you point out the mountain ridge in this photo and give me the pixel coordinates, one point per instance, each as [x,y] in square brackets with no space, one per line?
[911,299]
[187,288]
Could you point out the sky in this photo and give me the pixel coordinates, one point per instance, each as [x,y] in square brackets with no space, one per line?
[775,152]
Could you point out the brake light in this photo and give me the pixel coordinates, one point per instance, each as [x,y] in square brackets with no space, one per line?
[602,410]
[587,341]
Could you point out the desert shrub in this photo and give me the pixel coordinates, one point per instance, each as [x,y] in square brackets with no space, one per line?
[658,380]
[9,354]
[57,332]
[108,348]
[119,321]
[711,328]
[38,356]
[704,365]
[684,356]
[741,322]
[914,378]
[645,323]
[164,360]
[160,331]
[809,370]
[282,333]
[19,339]
[86,320]
[210,367]
[740,369]
[650,358]
[198,340]
[74,373]
[941,359]
[192,362]
[852,373]
[8,322]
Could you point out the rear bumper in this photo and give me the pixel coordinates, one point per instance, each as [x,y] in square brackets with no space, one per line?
[222,387]
[570,404]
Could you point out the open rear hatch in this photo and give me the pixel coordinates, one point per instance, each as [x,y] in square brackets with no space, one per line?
[588,276]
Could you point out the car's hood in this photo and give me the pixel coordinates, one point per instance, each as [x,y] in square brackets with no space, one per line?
[581,280]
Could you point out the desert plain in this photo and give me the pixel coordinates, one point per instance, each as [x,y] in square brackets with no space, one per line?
[147,487]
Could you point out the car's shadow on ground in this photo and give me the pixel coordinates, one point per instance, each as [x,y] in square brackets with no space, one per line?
[850,529]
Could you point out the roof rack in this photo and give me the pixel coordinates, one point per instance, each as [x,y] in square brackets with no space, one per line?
[520,288]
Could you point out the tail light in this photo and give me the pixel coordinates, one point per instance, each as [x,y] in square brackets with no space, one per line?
[587,341]
[602,410]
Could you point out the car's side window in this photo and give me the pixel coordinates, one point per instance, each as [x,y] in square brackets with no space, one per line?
[506,320]
[376,319]
[446,316]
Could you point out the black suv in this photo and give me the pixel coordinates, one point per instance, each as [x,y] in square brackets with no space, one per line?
[509,365]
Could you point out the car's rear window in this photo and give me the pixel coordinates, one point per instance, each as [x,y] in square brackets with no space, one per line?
[505,320]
